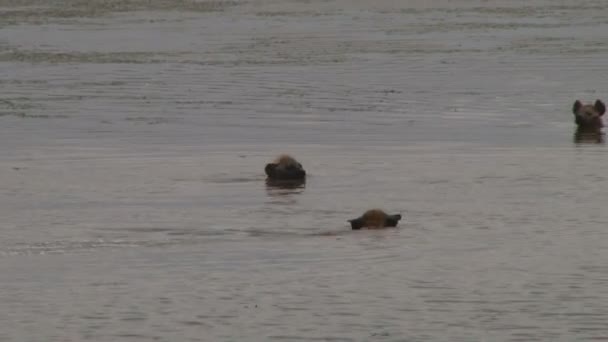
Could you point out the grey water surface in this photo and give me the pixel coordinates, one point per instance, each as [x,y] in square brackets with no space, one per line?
[133,203]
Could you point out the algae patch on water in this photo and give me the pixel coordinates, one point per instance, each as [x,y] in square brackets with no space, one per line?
[22,108]
[37,56]
[14,10]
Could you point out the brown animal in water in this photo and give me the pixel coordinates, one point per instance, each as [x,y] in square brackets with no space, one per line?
[375,218]
[589,116]
[588,119]
[285,167]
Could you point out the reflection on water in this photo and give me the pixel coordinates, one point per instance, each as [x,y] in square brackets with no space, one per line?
[276,184]
[285,192]
[589,136]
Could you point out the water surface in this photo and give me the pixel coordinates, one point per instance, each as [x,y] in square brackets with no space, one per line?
[133,200]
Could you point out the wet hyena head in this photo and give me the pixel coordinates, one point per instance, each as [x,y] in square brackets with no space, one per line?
[285,167]
[589,116]
[375,218]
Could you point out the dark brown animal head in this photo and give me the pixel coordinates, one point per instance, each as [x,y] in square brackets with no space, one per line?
[285,167]
[374,219]
[589,117]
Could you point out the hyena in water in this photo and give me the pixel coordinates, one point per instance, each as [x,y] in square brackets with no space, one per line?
[374,219]
[285,167]
[588,119]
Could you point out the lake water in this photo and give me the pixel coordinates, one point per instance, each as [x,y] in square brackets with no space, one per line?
[134,135]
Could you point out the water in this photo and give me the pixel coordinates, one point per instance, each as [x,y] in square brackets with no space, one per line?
[133,201]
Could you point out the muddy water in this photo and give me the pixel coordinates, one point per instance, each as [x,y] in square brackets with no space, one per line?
[133,136]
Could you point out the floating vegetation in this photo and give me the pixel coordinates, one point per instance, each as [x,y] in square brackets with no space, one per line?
[239,58]
[151,120]
[33,116]
[14,55]
[42,10]
[17,108]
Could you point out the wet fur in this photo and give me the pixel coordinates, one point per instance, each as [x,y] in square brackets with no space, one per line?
[374,219]
[285,167]
[589,117]
[286,160]
[589,124]
[587,136]
[286,183]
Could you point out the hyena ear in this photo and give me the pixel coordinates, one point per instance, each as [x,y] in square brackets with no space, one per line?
[600,107]
[393,220]
[269,169]
[576,107]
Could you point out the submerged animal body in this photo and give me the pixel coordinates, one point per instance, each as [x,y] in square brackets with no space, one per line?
[586,136]
[374,219]
[285,167]
[589,117]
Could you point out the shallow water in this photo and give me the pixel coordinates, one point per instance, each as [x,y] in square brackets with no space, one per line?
[134,206]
